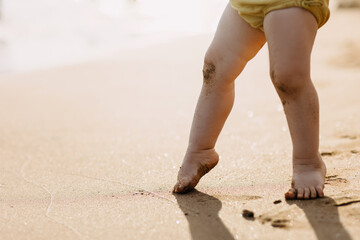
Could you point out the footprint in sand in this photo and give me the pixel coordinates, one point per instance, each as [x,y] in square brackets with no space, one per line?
[346,200]
[335,180]
[276,222]
[351,137]
[280,223]
[328,153]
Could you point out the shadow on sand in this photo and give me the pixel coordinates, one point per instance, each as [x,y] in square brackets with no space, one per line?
[324,218]
[205,222]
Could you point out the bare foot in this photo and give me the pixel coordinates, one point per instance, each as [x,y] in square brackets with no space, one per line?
[195,165]
[308,179]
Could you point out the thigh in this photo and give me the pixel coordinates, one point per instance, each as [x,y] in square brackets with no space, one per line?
[290,34]
[235,42]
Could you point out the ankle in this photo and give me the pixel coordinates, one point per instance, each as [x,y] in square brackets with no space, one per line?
[199,149]
[308,160]
[202,154]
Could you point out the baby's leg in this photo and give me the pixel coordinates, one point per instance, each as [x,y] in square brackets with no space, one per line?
[290,34]
[234,44]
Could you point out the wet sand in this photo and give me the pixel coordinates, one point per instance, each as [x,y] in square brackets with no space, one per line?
[91,151]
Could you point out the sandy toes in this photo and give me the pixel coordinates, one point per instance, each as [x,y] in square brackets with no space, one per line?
[307,183]
[195,165]
[308,179]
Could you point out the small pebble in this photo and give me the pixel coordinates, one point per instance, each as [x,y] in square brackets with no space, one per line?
[277,201]
[248,214]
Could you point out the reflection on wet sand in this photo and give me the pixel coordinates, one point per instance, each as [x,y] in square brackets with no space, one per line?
[202,213]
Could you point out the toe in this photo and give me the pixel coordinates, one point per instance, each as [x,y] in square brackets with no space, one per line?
[306,193]
[320,191]
[291,194]
[179,187]
[312,192]
[300,193]
[185,188]
[176,187]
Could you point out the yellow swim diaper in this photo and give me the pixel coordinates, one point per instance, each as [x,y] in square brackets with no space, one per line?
[254,11]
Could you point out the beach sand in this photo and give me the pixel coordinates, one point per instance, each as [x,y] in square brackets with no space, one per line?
[91,151]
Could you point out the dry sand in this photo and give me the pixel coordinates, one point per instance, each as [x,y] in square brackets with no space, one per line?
[91,151]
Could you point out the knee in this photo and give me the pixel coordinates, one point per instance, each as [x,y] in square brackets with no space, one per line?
[219,69]
[209,71]
[289,81]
